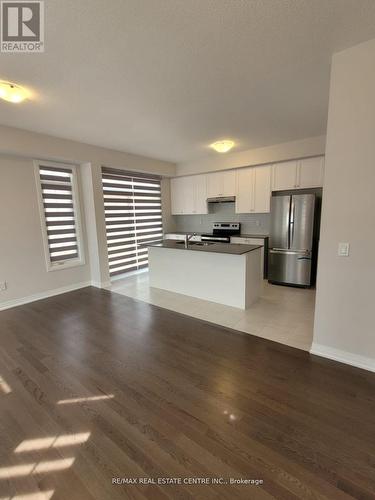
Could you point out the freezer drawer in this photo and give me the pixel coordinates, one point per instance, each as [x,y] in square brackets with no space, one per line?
[289,268]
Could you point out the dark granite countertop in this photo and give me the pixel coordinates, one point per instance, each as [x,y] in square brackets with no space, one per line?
[227,248]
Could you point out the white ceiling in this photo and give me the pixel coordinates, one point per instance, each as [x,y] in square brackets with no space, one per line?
[165,78]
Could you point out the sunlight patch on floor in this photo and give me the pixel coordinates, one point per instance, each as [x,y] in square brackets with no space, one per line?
[87,399]
[4,387]
[52,442]
[36,468]
[40,495]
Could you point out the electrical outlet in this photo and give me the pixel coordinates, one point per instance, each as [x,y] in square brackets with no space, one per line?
[3,286]
[343,250]
[257,223]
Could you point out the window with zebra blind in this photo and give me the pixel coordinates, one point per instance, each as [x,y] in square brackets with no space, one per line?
[132,203]
[59,211]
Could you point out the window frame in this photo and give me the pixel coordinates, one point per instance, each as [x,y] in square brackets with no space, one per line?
[68,263]
[134,175]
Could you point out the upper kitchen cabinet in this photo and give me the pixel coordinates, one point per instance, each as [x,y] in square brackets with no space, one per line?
[253,190]
[284,175]
[200,194]
[262,189]
[244,190]
[221,184]
[311,172]
[298,174]
[189,195]
[179,195]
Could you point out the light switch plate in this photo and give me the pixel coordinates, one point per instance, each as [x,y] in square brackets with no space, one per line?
[343,250]
[3,286]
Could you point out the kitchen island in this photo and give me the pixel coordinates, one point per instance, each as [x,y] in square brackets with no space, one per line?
[219,272]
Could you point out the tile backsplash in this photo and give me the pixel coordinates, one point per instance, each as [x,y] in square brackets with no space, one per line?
[223,212]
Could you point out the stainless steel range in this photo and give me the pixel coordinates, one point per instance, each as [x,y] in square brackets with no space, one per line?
[222,231]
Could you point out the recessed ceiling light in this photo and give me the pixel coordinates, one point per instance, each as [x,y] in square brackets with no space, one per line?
[222,146]
[12,93]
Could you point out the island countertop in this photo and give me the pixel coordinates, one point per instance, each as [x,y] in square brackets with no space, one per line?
[227,248]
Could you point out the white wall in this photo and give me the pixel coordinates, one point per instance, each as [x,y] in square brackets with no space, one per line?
[22,260]
[312,146]
[19,142]
[344,317]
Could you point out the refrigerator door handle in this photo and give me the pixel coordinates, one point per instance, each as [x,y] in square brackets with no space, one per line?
[305,254]
[289,220]
[292,218]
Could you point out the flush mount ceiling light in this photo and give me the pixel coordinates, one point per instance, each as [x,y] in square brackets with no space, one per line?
[222,146]
[12,93]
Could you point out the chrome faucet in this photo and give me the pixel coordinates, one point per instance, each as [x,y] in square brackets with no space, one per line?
[188,238]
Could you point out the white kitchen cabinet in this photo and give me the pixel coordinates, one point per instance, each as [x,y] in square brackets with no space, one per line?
[311,172]
[284,175]
[181,195]
[200,190]
[182,236]
[174,236]
[229,183]
[244,190]
[221,184]
[298,174]
[176,189]
[189,195]
[253,190]
[251,186]
[262,189]
[252,241]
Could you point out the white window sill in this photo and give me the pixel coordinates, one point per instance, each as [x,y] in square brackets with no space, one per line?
[65,264]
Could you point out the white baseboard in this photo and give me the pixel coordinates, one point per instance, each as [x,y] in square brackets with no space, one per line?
[97,284]
[343,357]
[44,295]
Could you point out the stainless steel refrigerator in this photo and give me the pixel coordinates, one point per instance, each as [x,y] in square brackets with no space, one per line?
[291,239]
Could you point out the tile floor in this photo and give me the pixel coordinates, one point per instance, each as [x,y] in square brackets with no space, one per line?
[282,314]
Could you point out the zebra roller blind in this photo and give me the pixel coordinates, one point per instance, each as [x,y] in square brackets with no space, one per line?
[57,198]
[132,204]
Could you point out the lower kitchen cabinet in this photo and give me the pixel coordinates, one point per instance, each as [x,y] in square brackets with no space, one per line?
[181,237]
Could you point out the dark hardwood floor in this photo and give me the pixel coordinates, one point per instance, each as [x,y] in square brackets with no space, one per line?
[96,386]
